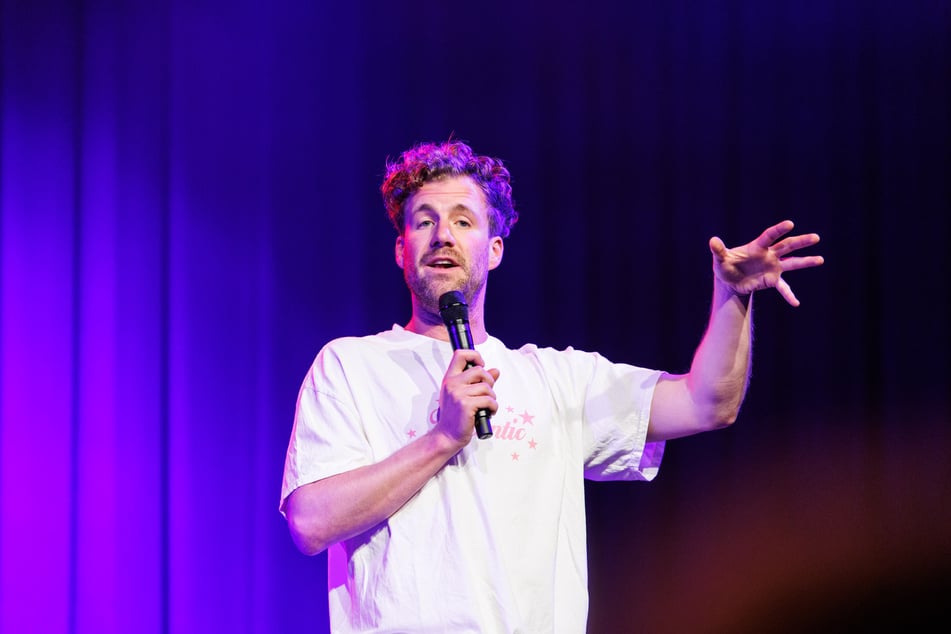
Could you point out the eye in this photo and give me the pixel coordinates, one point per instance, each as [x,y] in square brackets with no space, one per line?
[425,222]
[464,222]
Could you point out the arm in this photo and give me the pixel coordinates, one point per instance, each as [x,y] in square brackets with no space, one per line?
[709,395]
[339,507]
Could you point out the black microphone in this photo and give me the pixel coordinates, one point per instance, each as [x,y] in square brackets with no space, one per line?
[455,314]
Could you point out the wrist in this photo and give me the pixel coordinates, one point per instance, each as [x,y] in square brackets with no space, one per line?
[724,292]
[445,444]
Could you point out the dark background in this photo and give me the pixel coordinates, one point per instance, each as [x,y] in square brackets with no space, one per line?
[189,210]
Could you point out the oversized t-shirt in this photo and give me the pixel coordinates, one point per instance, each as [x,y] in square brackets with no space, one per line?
[495,541]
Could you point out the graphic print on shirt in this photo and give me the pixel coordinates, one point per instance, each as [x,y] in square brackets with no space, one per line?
[515,426]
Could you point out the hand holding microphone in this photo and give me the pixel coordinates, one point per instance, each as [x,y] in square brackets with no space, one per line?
[455,314]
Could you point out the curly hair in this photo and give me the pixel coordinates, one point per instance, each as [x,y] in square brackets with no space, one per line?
[428,162]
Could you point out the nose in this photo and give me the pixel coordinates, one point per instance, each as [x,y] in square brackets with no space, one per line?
[443,234]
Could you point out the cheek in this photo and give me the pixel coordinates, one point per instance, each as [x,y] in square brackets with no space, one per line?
[403,252]
[407,255]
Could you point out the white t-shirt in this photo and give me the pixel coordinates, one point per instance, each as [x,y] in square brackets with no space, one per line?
[495,542]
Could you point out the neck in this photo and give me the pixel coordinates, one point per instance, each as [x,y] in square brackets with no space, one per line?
[430,324]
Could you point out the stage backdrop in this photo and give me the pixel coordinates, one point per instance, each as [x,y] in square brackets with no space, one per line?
[189,209]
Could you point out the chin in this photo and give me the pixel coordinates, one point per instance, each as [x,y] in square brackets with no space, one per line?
[428,294]
[430,288]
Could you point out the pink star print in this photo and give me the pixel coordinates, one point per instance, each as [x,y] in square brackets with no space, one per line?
[532,443]
[527,418]
[514,456]
[411,433]
[509,409]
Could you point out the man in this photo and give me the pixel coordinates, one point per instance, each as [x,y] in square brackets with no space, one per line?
[431,529]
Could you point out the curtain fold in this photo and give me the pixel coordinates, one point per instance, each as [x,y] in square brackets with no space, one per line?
[189,210]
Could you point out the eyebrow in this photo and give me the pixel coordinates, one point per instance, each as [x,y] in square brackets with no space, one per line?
[428,207]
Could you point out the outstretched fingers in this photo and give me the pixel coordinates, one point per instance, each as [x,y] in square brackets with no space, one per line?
[774,233]
[794,243]
[786,292]
[760,264]
[718,248]
[793,264]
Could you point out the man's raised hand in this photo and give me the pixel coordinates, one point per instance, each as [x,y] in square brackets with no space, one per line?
[760,264]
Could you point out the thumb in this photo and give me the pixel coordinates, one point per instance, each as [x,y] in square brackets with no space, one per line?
[717,248]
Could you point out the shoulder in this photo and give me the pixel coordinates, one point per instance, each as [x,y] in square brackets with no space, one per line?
[572,364]
[547,359]
[375,353]
[369,344]
[547,353]
[341,352]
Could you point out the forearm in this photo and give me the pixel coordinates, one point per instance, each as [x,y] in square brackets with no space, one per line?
[709,396]
[719,373]
[336,508]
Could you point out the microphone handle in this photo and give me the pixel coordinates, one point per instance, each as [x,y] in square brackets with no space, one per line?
[482,425]
[461,338]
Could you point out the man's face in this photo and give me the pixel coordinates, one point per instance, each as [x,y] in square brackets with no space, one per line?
[445,245]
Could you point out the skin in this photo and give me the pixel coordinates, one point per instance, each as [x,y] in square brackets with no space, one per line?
[446,245]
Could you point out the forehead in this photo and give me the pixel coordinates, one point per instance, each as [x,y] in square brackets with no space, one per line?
[448,193]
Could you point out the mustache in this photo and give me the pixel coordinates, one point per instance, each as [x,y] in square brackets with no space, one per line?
[447,253]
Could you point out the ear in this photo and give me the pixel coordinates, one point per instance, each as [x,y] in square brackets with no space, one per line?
[398,251]
[496,248]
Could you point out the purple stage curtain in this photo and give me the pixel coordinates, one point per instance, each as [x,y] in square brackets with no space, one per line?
[189,209]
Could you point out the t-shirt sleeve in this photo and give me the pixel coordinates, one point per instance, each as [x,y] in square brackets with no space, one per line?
[616,413]
[327,437]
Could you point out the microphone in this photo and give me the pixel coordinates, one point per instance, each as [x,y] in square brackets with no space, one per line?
[455,314]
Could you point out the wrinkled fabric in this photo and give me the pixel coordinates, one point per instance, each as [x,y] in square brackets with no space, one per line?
[495,542]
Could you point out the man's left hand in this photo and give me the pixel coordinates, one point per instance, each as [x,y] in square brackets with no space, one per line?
[761,263]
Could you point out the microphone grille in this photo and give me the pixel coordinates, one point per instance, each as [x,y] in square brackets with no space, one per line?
[453,307]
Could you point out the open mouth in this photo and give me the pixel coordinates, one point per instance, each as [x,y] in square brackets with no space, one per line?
[442,263]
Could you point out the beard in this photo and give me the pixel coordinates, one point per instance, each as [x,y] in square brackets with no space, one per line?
[428,284]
